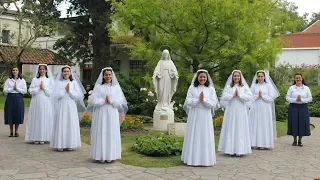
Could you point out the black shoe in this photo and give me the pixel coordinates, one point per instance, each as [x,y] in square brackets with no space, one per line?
[300,144]
[16,135]
[294,144]
[11,135]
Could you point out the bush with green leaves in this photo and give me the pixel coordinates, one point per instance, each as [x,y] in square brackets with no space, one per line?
[158,145]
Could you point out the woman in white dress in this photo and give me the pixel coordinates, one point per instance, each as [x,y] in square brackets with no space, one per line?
[108,103]
[66,126]
[262,112]
[198,147]
[41,112]
[235,134]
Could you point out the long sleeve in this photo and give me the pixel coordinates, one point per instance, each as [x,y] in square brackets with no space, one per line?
[246,95]
[48,88]
[97,99]
[190,100]
[227,94]
[34,89]
[289,98]
[115,101]
[255,96]
[74,91]
[212,101]
[308,98]
[61,90]
[267,96]
[7,89]
[23,87]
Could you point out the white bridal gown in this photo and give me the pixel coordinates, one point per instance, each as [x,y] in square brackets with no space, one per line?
[41,112]
[261,123]
[235,134]
[105,127]
[66,127]
[198,147]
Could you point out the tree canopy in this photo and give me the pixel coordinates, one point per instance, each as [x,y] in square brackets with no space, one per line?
[212,34]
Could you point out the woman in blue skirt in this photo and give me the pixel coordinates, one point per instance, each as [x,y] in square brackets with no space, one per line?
[14,87]
[298,96]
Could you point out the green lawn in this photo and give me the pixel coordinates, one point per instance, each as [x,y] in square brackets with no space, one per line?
[3,100]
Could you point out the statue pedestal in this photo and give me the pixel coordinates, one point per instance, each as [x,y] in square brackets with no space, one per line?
[161,119]
[177,129]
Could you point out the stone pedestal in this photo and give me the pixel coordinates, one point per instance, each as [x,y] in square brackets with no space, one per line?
[161,119]
[177,129]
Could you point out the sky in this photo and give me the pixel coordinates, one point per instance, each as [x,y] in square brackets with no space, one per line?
[308,6]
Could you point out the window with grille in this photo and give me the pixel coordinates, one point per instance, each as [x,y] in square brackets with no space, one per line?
[136,64]
[5,36]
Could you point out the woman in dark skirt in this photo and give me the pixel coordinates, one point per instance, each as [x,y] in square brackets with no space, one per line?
[14,88]
[298,96]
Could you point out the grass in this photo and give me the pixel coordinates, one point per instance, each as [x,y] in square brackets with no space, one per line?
[3,100]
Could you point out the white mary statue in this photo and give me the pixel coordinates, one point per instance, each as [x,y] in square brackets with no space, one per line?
[165,80]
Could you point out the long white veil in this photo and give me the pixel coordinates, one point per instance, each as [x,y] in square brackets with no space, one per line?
[274,93]
[123,104]
[229,81]
[79,88]
[195,76]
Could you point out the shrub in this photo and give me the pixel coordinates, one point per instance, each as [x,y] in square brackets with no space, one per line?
[158,145]
[217,122]
[131,123]
[85,119]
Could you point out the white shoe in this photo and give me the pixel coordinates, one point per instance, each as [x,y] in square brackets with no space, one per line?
[60,149]
[108,161]
[36,142]
[70,149]
[101,161]
[41,142]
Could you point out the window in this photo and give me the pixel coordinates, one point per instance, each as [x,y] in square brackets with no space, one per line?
[135,64]
[5,36]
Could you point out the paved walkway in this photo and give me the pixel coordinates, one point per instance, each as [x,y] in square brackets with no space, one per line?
[20,160]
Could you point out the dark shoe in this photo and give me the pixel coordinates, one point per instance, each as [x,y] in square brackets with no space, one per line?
[11,135]
[16,135]
[294,144]
[300,144]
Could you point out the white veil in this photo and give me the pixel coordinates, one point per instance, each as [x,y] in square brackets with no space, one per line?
[185,107]
[79,88]
[274,93]
[229,81]
[123,108]
[49,74]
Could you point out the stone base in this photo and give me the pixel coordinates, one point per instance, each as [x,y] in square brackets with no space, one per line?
[161,119]
[177,129]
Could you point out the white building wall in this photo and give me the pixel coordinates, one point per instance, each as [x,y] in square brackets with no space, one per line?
[299,56]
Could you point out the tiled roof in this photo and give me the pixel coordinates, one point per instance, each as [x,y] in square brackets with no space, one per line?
[32,55]
[302,40]
[314,28]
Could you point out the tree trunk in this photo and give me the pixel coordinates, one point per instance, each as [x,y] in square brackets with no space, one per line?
[100,13]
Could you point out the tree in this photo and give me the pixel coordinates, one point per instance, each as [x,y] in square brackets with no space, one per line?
[212,34]
[314,17]
[91,21]
[41,18]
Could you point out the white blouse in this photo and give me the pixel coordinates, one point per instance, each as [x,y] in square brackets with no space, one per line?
[9,86]
[294,91]
[34,88]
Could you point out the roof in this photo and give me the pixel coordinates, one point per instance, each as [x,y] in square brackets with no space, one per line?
[301,40]
[314,28]
[309,38]
[32,55]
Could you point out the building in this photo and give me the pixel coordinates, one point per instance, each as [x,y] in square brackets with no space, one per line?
[302,49]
